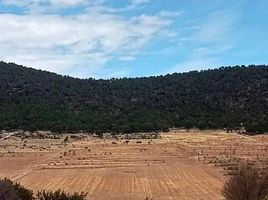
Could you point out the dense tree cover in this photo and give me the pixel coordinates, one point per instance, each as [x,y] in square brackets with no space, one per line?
[227,97]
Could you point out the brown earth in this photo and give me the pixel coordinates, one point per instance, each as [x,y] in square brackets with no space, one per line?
[178,165]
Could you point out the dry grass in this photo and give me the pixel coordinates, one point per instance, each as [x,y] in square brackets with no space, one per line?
[248,184]
[174,166]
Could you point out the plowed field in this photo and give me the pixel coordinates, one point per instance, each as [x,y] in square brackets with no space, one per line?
[177,166]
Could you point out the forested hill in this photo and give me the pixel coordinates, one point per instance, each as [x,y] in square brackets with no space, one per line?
[221,98]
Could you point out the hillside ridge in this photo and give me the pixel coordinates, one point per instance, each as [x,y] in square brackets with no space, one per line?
[228,97]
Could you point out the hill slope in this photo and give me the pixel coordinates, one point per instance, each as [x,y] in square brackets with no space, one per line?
[222,98]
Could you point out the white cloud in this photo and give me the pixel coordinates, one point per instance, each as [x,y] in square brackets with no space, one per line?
[28,3]
[60,43]
[50,5]
[209,40]
[99,6]
[139,2]
[127,58]
[165,13]
[79,43]
[216,28]
[68,2]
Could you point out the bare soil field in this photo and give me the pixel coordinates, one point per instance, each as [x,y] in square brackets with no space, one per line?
[177,165]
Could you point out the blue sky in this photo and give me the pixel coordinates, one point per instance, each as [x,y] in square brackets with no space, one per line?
[130,38]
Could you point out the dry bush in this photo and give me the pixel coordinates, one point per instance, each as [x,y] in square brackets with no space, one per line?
[60,195]
[246,184]
[7,191]
[14,191]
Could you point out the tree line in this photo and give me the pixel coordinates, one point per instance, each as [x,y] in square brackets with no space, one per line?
[228,97]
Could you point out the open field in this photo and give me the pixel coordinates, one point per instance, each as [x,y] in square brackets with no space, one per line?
[176,165]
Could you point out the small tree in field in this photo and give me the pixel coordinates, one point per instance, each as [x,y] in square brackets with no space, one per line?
[66,139]
[149,198]
[246,184]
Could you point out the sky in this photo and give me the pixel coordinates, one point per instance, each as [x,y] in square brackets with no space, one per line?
[133,38]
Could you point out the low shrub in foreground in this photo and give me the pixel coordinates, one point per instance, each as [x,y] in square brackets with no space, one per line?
[246,184]
[14,191]
[7,191]
[60,195]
